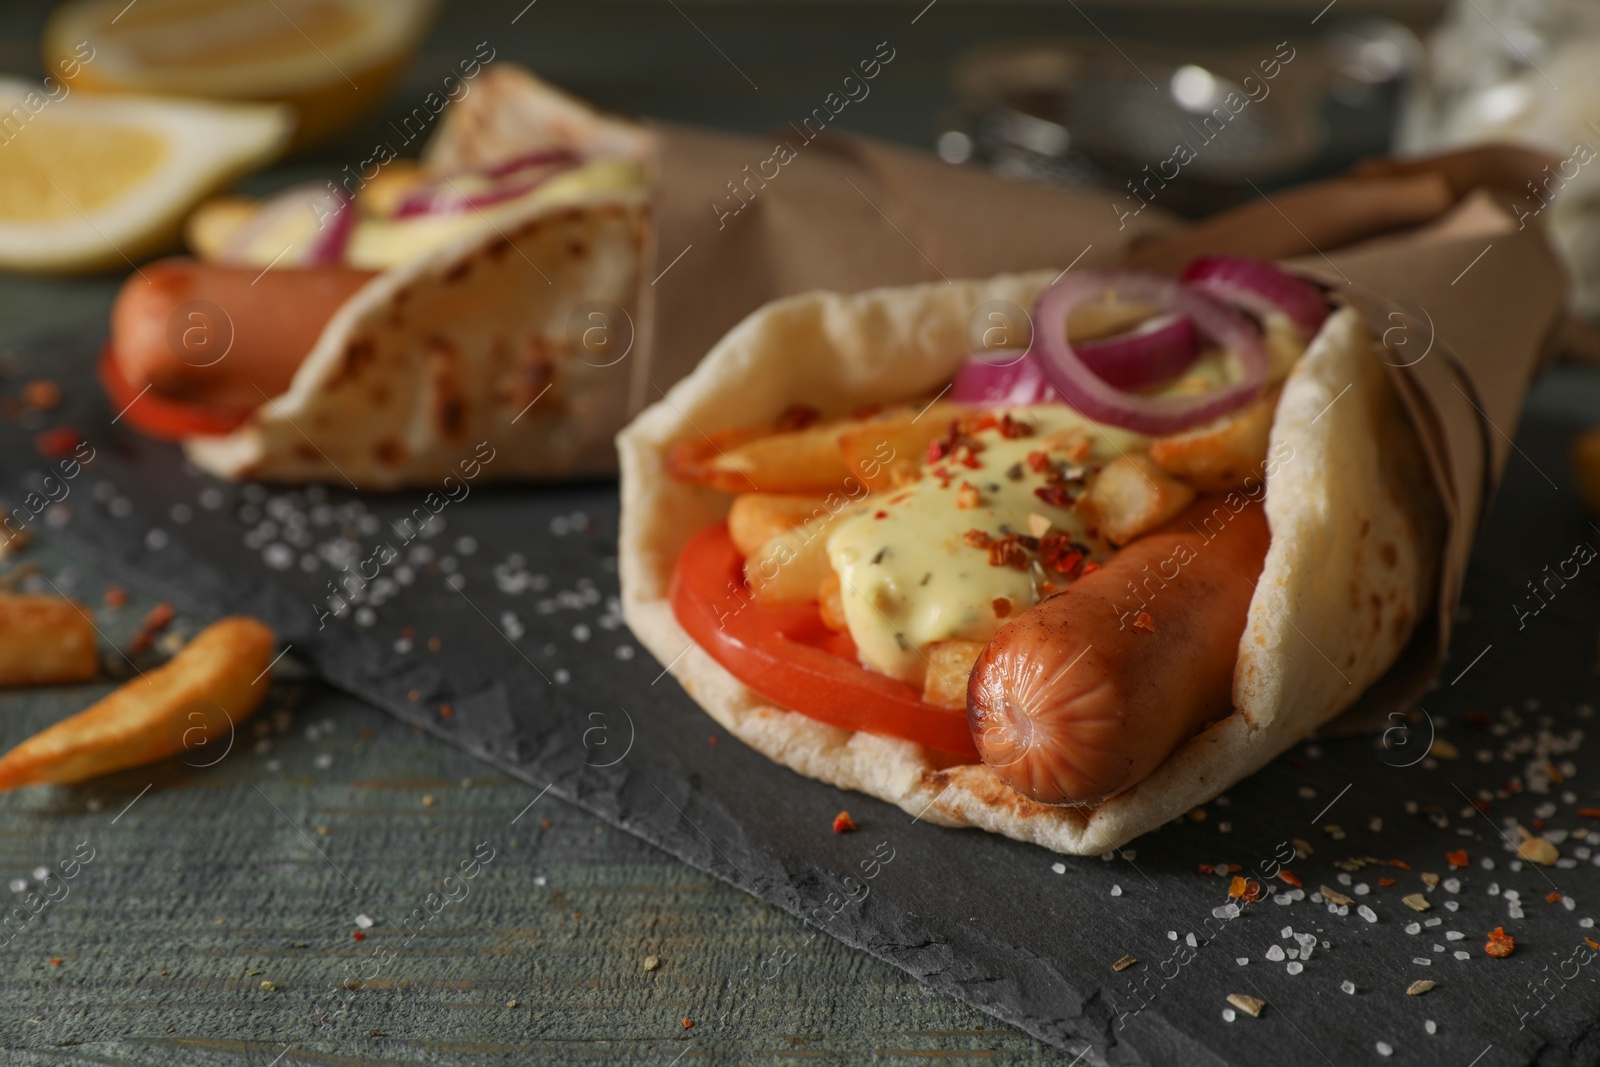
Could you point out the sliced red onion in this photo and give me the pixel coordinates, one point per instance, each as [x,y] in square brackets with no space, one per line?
[1105,403]
[1157,350]
[1259,286]
[327,210]
[1006,378]
[336,222]
[474,189]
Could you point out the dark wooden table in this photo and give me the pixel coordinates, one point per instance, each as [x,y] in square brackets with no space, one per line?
[215,923]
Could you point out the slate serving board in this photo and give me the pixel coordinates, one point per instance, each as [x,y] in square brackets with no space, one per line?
[532,671]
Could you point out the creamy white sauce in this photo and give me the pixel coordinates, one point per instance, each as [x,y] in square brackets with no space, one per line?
[907,577]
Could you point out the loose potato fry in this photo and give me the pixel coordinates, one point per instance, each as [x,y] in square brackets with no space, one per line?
[1586,462]
[45,640]
[888,450]
[1133,496]
[949,667]
[756,518]
[1220,455]
[690,461]
[216,682]
[790,568]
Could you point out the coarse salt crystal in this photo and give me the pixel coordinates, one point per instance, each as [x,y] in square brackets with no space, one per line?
[1413,928]
[1116,890]
[1059,868]
[1242,960]
[1431,1026]
[1453,935]
[1348,986]
[1462,955]
[1275,953]
[1367,914]
[364,921]
[1295,967]
[1385,1049]
[1229,1015]
[1425,961]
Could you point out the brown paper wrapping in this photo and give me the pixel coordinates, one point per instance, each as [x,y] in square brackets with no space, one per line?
[1467,304]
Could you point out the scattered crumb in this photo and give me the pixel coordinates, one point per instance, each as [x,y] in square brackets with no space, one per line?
[1251,1006]
[1419,987]
[1124,963]
[652,962]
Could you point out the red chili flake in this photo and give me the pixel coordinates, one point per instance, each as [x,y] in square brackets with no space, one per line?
[1011,429]
[712,740]
[1089,568]
[968,459]
[41,393]
[1039,462]
[1589,813]
[358,935]
[1002,607]
[434,644]
[1458,858]
[1238,887]
[56,962]
[798,417]
[975,423]
[1059,554]
[843,823]
[446,710]
[944,477]
[1008,554]
[1552,898]
[936,450]
[1206,868]
[1144,623]
[57,443]
[967,496]
[366,734]
[158,618]
[1252,892]
[1500,944]
[1592,943]
[1385,883]
[1482,805]
[1289,876]
[688,1024]
[1048,588]
[1054,494]
[976,538]
[1477,718]
[880,514]
[1402,864]
[1555,772]
[545,823]
[116,597]
[414,695]
[409,632]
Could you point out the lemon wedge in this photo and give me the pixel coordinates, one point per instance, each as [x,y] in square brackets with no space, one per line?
[88,183]
[329,59]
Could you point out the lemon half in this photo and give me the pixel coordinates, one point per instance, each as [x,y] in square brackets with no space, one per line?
[329,59]
[88,183]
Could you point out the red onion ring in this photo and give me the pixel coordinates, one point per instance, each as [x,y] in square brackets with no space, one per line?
[1260,287]
[506,181]
[1102,402]
[1157,350]
[1004,378]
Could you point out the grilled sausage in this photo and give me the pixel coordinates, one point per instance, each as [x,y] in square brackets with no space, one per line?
[1086,693]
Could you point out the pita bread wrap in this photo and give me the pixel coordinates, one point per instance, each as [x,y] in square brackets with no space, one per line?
[484,340]
[1349,572]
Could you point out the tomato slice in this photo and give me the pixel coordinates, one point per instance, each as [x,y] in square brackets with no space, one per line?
[789,655]
[159,416]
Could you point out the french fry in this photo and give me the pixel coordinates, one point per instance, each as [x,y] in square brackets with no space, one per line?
[756,518]
[830,602]
[1221,455]
[45,640]
[212,685]
[1586,463]
[796,461]
[888,450]
[1132,496]
[691,460]
[949,667]
[790,568]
